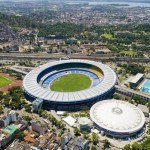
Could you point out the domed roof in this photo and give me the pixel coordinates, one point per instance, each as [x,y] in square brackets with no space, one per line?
[117,116]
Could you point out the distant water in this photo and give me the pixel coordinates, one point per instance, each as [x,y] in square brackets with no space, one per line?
[131,4]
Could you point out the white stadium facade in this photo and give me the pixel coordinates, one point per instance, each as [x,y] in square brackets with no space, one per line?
[37,82]
[117,118]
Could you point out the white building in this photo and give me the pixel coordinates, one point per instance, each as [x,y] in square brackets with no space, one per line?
[138,78]
[118,118]
[84,123]
[7,118]
[13,116]
[70,120]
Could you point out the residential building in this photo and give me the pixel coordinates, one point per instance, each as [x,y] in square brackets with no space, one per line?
[82,143]
[7,135]
[39,127]
[7,118]
[144,109]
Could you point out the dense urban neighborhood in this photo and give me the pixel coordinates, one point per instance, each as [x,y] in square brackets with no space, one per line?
[74,75]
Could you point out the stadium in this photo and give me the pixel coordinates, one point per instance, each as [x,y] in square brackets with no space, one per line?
[69,84]
[117,118]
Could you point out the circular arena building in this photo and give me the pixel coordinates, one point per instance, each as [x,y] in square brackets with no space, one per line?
[69,84]
[118,118]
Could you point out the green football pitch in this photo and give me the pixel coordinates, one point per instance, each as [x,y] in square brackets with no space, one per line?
[4,81]
[71,83]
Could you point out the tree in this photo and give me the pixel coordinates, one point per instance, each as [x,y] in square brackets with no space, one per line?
[94,138]
[20,135]
[136,146]
[106,144]
[66,114]
[85,134]
[27,118]
[76,131]
[1,95]
[1,109]
[148,105]
[93,148]
[146,144]
[127,147]
[116,96]
[27,108]
[40,111]
[44,113]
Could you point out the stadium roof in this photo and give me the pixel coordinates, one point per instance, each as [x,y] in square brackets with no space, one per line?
[31,86]
[117,116]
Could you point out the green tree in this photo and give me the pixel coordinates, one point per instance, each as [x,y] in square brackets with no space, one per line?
[27,118]
[116,96]
[20,135]
[27,108]
[136,146]
[146,144]
[85,134]
[127,147]
[76,131]
[1,109]
[94,138]
[106,144]
[93,148]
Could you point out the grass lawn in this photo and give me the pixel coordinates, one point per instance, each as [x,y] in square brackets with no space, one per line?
[147,68]
[107,36]
[130,53]
[71,83]
[4,81]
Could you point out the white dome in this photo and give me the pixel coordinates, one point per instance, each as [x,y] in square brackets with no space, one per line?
[117,116]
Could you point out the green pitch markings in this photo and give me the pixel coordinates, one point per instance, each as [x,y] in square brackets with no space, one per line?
[71,83]
[4,81]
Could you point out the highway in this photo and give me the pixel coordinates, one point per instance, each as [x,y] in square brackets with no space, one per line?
[48,56]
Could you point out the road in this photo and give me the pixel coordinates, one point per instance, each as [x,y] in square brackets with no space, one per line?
[47,56]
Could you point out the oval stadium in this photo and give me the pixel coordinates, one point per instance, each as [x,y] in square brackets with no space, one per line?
[69,84]
[117,118]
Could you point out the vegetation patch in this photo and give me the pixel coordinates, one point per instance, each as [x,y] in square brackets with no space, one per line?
[108,36]
[129,53]
[147,68]
[71,83]
[4,81]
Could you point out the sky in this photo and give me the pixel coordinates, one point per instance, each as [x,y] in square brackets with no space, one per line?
[83,0]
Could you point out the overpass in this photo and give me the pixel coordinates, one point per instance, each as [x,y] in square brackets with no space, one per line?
[17,70]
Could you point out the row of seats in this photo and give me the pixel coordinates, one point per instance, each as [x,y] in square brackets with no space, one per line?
[96,71]
[51,78]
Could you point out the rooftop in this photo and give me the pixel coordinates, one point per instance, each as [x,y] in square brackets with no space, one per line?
[29,137]
[143,108]
[70,120]
[136,78]
[10,129]
[84,121]
[117,116]
[31,86]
